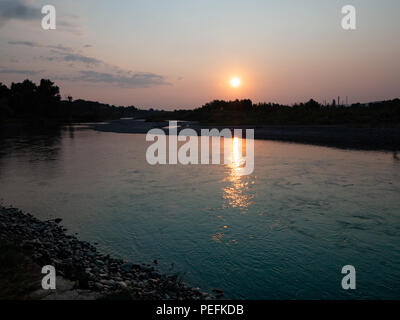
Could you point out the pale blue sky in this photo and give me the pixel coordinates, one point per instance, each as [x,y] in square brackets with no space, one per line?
[182,53]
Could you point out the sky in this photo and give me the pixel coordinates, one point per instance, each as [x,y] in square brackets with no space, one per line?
[174,54]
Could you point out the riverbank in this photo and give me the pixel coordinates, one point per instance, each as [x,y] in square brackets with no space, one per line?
[385,138]
[82,271]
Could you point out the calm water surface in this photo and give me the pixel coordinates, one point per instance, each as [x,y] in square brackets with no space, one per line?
[283,232]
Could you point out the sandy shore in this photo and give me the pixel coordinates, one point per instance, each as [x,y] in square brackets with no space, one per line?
[362,138]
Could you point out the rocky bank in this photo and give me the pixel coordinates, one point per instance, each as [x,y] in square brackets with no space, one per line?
[84,271]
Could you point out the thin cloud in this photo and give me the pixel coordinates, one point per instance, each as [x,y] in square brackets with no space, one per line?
[17,10]
[61,48]
[71,27]
[136,80]
[38,45]
[23,10]
[117,77]
[74,57]
[25,43]
[64,53]
[18,71]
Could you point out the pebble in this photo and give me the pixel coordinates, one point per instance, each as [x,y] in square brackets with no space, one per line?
[82,263]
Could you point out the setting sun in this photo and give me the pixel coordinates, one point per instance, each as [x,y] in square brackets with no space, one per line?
[235,82]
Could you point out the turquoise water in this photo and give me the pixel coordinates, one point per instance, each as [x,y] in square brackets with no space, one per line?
[284,232]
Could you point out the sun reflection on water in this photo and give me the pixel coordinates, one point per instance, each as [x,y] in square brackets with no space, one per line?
[237,191]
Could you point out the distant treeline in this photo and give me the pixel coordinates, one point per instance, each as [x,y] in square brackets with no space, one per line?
[310,113]
[26,100]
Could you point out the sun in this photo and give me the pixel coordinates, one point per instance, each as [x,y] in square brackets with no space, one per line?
[235,82]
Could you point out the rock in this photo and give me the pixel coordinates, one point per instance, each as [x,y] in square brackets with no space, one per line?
[109,283]
[217,291]
[127,267]
[63,284]
[99,286]
[80,262]
[99,262]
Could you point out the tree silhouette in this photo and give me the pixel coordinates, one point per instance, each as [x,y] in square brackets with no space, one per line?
[27,100]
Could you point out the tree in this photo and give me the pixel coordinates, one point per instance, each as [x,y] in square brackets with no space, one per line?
[4,91]
[48,92]
[4,99]
[23,96]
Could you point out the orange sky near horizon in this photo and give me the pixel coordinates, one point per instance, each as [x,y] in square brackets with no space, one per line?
[182,54]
